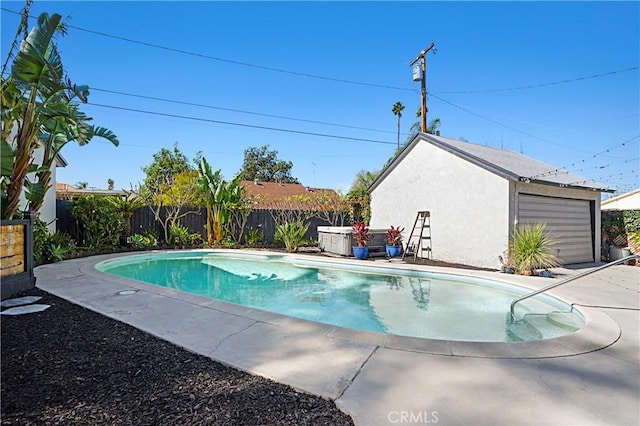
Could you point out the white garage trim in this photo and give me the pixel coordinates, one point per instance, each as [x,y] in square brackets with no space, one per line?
[569,222]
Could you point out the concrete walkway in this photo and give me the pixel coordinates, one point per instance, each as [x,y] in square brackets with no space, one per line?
[591,377]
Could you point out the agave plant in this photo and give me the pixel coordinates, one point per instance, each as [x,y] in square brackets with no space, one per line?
[531,248]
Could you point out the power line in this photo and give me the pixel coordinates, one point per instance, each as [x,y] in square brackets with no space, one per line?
[238,110]
[502,124]
[230,61]
[181,51]
[561,169]
[309,75]
[532,86]
[184,117]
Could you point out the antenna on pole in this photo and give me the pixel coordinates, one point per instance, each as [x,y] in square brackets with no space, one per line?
[420,73]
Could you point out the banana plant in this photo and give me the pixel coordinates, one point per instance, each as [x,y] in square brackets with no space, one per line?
[220,197]
[68,124]
[38,108]
[37,66]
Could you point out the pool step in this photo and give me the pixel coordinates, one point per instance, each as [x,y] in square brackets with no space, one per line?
[523,331]
[552,324]
[564,319]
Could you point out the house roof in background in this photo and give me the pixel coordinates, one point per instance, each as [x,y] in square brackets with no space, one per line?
[508,164]
[66,191]
[266,193]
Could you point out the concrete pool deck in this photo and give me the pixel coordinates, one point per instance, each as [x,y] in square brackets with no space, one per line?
[592,377]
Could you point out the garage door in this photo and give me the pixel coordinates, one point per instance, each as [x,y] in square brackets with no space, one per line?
[568,222]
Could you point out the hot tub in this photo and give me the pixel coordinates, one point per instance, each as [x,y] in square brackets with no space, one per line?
[339,240]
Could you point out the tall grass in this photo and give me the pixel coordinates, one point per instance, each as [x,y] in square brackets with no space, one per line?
[531,247]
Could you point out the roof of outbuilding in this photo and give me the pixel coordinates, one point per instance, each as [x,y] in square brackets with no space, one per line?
[508,164]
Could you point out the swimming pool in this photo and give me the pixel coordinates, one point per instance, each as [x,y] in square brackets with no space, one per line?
[372,298]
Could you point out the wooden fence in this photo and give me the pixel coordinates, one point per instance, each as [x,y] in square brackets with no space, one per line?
[143,220]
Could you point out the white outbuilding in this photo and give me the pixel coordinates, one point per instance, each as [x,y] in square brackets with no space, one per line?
[476,195]
[626,201]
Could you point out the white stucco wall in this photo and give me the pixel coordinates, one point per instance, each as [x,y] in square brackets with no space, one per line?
[630,201]
[470,217]
[48,209]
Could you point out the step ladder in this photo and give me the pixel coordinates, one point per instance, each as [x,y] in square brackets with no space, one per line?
[420,236]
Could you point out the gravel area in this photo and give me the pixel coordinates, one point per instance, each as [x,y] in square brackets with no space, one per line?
[69,365]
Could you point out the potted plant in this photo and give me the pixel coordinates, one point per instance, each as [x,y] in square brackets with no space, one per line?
[360,233]
[393,240]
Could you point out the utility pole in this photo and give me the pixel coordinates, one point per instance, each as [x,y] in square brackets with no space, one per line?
[423,79]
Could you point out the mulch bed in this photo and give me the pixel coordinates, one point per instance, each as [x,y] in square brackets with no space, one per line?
[69,365]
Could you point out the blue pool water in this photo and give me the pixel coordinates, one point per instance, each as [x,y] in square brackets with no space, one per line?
[406,303]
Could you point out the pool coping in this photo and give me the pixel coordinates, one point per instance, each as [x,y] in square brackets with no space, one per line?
[598,332]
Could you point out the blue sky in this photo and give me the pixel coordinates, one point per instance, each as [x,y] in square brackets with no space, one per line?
[556,81]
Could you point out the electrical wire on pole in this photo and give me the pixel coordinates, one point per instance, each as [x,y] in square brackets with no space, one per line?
[423,80]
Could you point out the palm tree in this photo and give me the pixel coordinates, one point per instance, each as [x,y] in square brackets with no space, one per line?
[126,206]
[416,127]
[397,110]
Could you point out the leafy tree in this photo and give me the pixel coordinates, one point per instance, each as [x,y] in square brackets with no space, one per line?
[359,198]
[264,165]
[166,164]
[110,184]
[99,225]
[397,110]
[178,196]
[363,180]
[82,184]
[329,206]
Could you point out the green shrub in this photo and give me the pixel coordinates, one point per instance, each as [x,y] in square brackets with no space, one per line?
[141,241]
[531,249]
[40,235]
[291,234]
[99,225]
[254,237]
[229,243]
[631,219]
[180,235]
[49,247]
